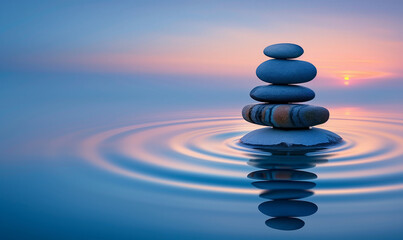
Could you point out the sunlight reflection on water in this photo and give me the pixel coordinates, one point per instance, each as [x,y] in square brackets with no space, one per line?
[170,152]
[190,175]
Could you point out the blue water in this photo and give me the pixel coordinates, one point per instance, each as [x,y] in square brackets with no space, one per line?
[101,159]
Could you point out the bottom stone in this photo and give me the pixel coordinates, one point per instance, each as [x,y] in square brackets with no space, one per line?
[307,138]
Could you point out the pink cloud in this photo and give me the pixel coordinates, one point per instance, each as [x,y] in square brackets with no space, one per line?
[237,52]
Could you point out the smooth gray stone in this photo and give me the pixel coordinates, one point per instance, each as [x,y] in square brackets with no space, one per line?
[283,50]
[288,116]
[282,93]
[279,138]
[288,208]
[279,71]
[285,223]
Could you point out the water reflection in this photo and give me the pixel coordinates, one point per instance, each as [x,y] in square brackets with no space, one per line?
[284,182]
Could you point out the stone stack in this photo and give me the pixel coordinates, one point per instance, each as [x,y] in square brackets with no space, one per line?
[279,108]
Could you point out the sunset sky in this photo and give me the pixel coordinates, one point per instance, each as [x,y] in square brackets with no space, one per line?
[219,43]
[122,119]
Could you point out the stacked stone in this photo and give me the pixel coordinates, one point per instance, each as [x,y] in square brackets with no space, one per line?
[279,109]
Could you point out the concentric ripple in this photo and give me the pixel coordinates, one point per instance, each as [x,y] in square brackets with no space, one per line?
[204,154]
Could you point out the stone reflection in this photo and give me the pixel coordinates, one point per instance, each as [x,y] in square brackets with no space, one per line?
[284,182]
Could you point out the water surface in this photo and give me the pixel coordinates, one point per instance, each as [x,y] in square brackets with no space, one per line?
[73,174]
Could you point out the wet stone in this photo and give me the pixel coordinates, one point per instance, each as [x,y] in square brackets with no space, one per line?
[282,93]
[287,116]
[287,139]
[279,71]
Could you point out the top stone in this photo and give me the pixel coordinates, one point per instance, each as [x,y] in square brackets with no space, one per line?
[283,51]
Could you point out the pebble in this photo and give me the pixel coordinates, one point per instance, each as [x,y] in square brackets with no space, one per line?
[282,93]
[274,138]
[283,51]
[286,71]
[289,116]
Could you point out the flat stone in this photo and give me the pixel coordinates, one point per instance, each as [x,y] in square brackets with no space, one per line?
[290,139]
[289,116]
[279,71]
[283,50]
[282,93]
[288,208]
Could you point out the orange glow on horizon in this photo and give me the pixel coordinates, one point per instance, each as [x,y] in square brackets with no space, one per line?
[238,52]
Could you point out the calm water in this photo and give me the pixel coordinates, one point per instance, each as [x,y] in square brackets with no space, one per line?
[79,174]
